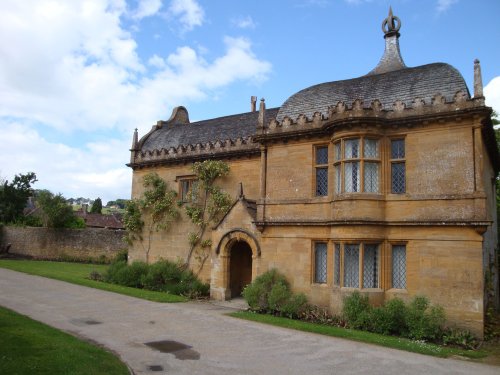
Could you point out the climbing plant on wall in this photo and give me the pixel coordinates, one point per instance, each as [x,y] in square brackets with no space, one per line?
[207,204]
[154,211]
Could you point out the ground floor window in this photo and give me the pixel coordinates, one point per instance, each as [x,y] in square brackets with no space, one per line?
[399,266]
[353,255]
[320,262]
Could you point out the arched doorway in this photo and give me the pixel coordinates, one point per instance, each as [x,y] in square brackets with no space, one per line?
[240,269]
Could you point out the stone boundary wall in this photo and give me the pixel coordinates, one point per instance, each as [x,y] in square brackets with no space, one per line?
[49,243]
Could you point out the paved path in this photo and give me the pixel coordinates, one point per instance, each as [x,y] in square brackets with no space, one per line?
[219,344]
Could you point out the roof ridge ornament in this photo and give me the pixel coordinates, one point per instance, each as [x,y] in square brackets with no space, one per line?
[391,60]
[390,24]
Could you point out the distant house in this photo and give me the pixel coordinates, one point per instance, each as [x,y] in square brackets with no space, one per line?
[113,221]
[384,184]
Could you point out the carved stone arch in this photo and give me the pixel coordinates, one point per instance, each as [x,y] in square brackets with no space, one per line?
[235,235]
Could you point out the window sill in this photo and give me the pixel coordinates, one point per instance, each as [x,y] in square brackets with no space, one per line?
[359,196]
[397,291]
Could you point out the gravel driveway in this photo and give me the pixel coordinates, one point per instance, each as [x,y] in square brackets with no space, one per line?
[197,338]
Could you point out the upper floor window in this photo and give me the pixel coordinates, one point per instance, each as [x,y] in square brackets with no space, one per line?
[188,189]
[321,170]
[357,165]
[398,166]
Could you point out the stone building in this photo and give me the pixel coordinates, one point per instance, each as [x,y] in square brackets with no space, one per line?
[383,184]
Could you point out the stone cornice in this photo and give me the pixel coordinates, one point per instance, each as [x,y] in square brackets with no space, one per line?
[341,114]
[461,223]
[187,153]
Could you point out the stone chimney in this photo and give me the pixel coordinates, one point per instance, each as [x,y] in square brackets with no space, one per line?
[262,113]
[478,80]
[85,209]
[253,103]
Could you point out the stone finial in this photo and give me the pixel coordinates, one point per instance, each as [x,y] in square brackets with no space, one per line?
[478,80]
[253,103]
[391,60]
[262,112]
[391,25]
[135,140]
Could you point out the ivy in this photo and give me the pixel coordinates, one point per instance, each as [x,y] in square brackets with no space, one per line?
[156,208]
[207,204]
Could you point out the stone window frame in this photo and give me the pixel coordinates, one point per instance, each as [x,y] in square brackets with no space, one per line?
[313,273]
[340,160]
[321,166]
[339,279]
[185,185]
[399,160]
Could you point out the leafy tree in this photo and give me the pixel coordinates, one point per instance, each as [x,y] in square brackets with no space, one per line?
[96,207]
[494,118]
[14,195]
[155,210]
[56,212]
[206,205]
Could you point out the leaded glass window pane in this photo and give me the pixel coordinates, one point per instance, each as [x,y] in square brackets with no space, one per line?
[351,147]
[399,267]
[352,177]
[371,180]
[371,148]
[322,155]
[338,179]
[321,181]
[320,256]
[336,265]
[370,266]
[351,266]
[338,151]
[398,149]
[398,177]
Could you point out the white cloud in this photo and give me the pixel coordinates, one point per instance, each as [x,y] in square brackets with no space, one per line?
[188,12]
[95,170]
[444,5]
[157,62]
[147,8]
[492,94]
[73,67]
[244,22]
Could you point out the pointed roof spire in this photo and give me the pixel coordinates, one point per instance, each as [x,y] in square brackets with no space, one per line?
[391,60]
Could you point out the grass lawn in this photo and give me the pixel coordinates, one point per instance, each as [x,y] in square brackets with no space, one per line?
[30,347]
[78,273]
[367,337]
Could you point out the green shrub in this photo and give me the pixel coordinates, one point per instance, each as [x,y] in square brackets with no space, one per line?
[390,318]
[462,338]
[127,275]
[295,306]
[357,310]
[424,322]
[132,274]
[162,276]
[121,256]
[257,293]
[270,293]
[279,295]
[112,272]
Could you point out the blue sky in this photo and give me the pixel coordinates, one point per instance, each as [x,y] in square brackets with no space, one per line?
[76,77]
